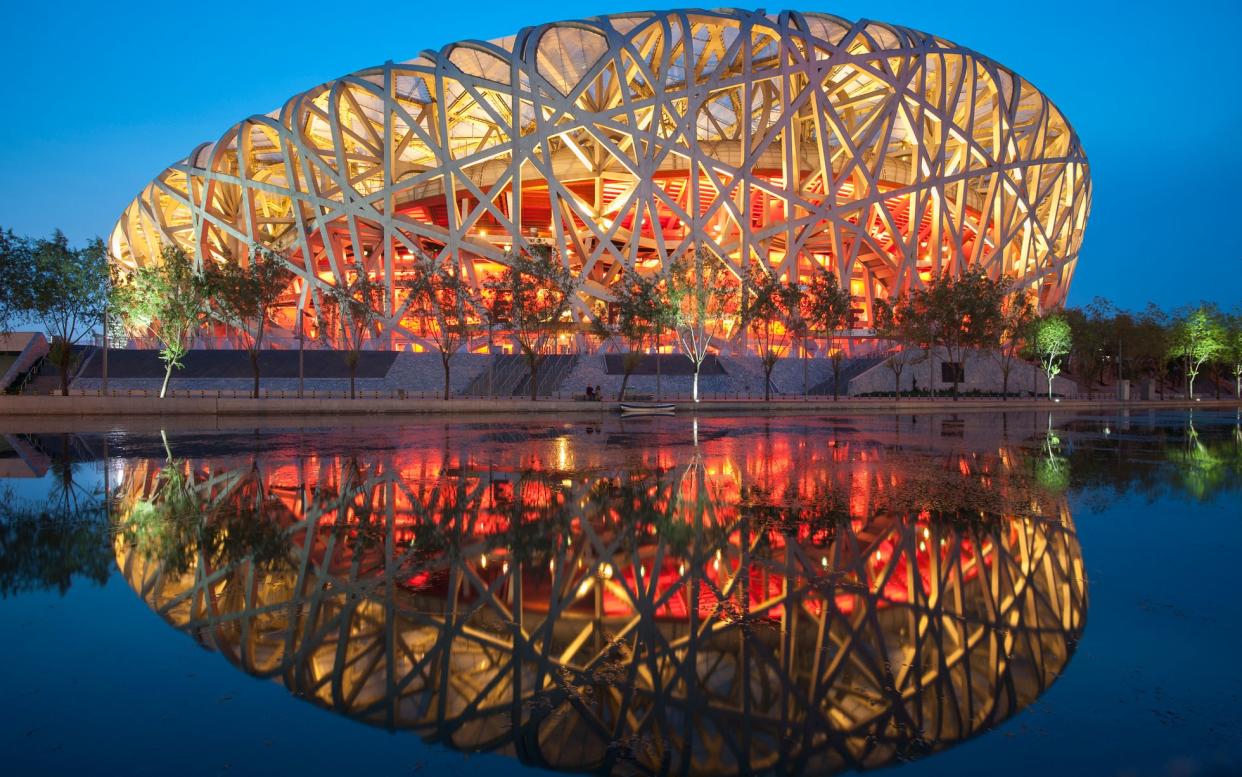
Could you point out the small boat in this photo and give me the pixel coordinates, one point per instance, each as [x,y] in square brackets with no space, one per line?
[647,408]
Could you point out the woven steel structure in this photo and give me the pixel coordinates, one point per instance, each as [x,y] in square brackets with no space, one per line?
[790,140]
[739,606]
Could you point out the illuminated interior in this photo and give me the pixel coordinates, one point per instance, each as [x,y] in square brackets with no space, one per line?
[793,140]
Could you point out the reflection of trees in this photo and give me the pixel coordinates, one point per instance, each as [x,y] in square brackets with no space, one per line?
[728,616]
[1199,455]
[45,543]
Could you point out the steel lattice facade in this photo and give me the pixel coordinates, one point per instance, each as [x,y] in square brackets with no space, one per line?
[792,140]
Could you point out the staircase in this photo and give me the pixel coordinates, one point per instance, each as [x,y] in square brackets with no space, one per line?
[509,376]
[849,369]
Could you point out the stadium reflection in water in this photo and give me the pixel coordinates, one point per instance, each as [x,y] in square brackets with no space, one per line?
[737,596]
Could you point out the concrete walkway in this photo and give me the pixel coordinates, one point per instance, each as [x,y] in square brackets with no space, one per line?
[26,406]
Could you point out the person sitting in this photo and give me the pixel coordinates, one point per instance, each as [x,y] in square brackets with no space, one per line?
[590,394]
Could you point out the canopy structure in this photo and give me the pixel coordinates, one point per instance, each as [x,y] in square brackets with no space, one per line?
[788,141]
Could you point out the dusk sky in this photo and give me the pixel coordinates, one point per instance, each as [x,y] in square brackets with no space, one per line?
[100,97]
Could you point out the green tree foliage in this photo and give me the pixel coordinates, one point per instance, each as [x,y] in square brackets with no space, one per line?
[764,320]
[964,313]
[638,315]
[830,311]
[244,297]
[166,302]
[1149,345]
[442,307]
[1051,340]
[703,292]
[349,312]
[1196,338]
[1013,330]
[794,300]
[64,288]
[901,321]
[1231,348]
[14,261]
[539,292]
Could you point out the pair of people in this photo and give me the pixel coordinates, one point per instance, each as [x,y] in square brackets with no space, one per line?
[594,394]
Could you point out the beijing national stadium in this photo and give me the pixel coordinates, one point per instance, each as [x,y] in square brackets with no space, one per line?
[790,141]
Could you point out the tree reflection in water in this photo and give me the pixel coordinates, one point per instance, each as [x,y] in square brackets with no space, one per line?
[802,598]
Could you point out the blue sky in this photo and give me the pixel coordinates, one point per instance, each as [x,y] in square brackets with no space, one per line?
[99,97]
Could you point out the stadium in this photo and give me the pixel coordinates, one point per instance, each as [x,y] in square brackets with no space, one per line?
[790,141]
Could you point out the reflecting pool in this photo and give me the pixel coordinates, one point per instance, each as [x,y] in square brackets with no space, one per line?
[713,596]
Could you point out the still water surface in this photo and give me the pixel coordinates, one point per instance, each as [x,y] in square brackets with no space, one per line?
[972,594]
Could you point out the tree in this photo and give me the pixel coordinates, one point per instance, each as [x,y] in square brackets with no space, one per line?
[245,297]
[964,312]
[703,294]
[1013,329]
[639,312]
[764,316]
[15,260]
[1197,337]
[1149,345]
[1051,339]
[1231,348]
[794,300]
[830,309]
[441,305]
[65,288]
[900,322]
[166,302]
[349,311]
[539,290]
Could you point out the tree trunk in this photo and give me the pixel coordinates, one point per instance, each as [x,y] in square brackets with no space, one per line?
[254,368]
[696,380]
[534,379]
[1004,385]
[805,387]
[444,358]
[64,377]
[836,380]
[625,381]
[167,374]
[959,363]
[767,381]
[659,386]
[353,372]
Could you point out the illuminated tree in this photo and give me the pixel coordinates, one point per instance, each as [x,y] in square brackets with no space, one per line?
[703,292]
[441,306]
[349,311]
[639,313]
[166,302]
[964,313]
[64,288]
[1052,338]
[1231,350]
[795,300]
[830,309]
[1196,337]
[764,319]
[1013,330]
[539,291]
[900,321]
[245,298]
